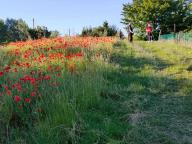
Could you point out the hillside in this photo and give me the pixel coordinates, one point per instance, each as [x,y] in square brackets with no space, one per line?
[95,90]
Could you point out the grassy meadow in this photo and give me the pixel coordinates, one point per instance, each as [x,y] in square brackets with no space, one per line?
[95,91]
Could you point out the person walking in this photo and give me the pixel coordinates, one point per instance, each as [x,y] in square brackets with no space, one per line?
[158,29]
[149,31]
[130,33]
[121,36]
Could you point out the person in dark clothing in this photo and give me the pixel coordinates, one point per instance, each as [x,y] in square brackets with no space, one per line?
[121,36]
[130,33]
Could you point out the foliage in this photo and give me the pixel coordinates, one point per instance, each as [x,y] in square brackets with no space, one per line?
[46,86]
[3,34]
[17,30]
[39,32]
[54,34]
[104,30]
[163,12]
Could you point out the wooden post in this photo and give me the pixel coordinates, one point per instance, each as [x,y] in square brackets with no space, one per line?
[159,34]
[174,28]
[175,31]
[33,23]
[69,32]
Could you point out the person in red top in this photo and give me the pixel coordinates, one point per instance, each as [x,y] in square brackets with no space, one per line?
[149,31]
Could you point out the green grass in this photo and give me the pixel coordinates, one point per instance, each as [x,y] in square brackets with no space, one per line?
[140,95]
[155,89]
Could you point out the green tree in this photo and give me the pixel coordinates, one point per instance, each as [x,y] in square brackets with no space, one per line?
[39,32]
[103,30]
[33,33]
[17,30]
[112,31]
[163,12]
[3,32]
[105,25]
[54,34]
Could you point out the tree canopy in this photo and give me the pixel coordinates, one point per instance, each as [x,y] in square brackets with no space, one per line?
[18,30]
[103,30]
[165,13]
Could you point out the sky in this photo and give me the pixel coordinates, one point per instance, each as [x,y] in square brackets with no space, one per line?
[63,15]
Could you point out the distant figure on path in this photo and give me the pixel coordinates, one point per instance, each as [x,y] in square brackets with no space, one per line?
[121,36]
[158,28]
[149,31]
[130,33]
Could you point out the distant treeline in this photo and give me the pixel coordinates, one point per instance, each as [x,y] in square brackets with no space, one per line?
[103,30]
[12,30]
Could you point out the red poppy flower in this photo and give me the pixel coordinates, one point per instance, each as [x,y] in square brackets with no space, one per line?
[79,54]
[33,94]
[17,86]
[27,100]
[49,68]
[59,75]
[1,94]
[1,73]
[8,92]
[32,72]
[6,88]
[15,70]
[17,99]
[33,81]
[7,68]
[56,69]
[47,78]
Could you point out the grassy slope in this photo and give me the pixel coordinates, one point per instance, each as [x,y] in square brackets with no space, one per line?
[154,88]
[147,100]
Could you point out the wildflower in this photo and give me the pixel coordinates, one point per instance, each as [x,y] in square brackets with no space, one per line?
[15,70]
[68,57]
[1,94]
[17,86]
[32,72]
[47,78]
[26,56]
[27,65]
[8,92]
[17,99]
[71,68]
[6,88]
[1,73]
[7,68]
[49,68]
[26,78]
[33,81]
[79,54]
[20,107]
[59,75]
[33,94]
[27,100]
[42,56]
[56,69]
